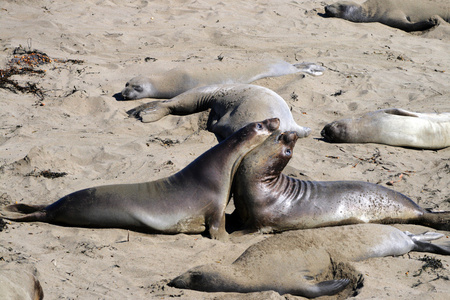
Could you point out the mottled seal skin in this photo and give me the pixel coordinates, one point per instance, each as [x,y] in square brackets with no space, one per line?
[309,263]
[407,15]
[395,127]
[232,107]
[188,201]
[182,79]
[270,201]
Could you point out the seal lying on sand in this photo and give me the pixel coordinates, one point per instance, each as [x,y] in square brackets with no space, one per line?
[187,201]
[396,127]
[179,80]
[19,282]
[305,262]
[232,107]
[270,201]
[408,15]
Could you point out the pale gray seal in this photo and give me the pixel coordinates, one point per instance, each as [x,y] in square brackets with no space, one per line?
[269,201]
[20,282]
[395,127]
[232,107]
[309,263]
[408,15]
[186,202]
[182,79]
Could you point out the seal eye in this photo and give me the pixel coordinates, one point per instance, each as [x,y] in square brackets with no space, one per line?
[138,88]
[288,152]
[259,126]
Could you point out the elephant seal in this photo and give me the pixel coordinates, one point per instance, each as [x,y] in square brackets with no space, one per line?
[185,202]
[395,127]
[269,201]
[179,80]
[407,15]
[309,263]
[232,107]
[19,282]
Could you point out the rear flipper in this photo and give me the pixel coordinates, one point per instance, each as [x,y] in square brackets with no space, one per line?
[431,248]
[436,220]
[324,288]
[23,212]
[310,68]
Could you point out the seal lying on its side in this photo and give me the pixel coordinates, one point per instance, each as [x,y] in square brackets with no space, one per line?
[408,15]
[232,107]
[305,262]
[268,200]
[179,80]
[187,201]
[395,127]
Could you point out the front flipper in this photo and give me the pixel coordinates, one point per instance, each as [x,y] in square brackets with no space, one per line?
[324,288]
[150,112]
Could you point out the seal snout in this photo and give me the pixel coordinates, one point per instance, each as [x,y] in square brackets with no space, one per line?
[273,124]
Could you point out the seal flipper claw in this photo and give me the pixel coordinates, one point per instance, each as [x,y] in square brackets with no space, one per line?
[324,288]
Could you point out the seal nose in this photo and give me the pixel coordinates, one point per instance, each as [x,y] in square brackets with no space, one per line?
[274,123]
[288,136]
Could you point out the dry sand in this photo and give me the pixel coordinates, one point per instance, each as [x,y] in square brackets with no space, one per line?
[82,130]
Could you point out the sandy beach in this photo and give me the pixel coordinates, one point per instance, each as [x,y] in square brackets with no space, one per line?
[75,127]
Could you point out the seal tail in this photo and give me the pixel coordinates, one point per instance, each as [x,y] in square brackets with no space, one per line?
[27,213]
[436,220]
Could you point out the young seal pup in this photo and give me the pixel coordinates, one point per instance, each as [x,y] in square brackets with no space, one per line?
[393,126]
[182,79]
[269,201]
[309,263]
[408,15]
[189,201]
[232,107]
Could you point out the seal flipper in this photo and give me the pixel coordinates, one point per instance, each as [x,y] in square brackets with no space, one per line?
[431,248]
[436,220]
[324,288]
[30,213]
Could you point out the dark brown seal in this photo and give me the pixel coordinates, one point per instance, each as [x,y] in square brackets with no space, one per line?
[309,263]
[268,200]
[188,201]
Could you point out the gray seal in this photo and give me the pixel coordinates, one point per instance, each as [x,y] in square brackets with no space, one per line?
[395,127]
[407,15]
[187,202]
[269,201]
[232,107]
[309,263]
[176,81]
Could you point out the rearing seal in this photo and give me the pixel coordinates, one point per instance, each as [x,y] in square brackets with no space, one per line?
[182,79]
[395,127]
[408,15]
[268,200]
[188,201]
[232,107]
[309,263]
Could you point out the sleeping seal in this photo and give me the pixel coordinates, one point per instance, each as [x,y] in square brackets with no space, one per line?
[188,201]
[182,79]
[268,200]
[309,263]
[232,107]
[408,15]
[395,127]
